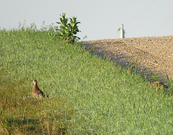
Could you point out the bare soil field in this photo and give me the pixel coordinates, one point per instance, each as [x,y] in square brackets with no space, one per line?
[155,54]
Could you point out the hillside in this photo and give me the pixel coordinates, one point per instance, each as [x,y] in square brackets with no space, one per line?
[87,94]
[155,53]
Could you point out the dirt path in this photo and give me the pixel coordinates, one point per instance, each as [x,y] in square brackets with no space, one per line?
[154,53]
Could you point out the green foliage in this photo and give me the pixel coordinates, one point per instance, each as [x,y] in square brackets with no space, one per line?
[68,30]
[87,94]
[133,66]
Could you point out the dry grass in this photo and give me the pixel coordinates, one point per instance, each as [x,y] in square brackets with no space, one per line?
[21,114]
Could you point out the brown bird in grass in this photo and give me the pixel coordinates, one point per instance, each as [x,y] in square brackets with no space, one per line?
[36,91]
[159,85]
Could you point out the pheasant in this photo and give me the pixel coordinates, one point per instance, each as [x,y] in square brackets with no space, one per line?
[158,84]
[36,91]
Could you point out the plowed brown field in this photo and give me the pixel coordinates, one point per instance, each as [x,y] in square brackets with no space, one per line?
[153,53]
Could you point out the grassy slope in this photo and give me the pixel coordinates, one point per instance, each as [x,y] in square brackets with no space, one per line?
[86,93]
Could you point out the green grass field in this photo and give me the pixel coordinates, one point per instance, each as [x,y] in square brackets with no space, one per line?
[87,94]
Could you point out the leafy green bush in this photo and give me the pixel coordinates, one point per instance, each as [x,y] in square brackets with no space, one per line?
[68,30]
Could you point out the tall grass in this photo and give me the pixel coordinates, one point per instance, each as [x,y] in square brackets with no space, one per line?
[87,94]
